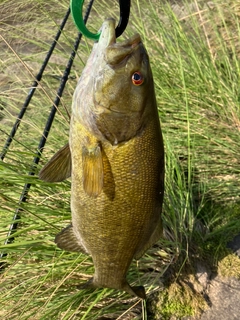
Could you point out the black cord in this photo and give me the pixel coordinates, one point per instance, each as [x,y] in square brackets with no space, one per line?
[124,16]
[33,88]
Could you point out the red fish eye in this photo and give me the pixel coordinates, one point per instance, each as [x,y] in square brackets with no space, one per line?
[137,78]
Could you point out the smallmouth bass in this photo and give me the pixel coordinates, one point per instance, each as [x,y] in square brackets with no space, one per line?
[115,158]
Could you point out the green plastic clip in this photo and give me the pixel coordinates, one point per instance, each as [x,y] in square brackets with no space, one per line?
[76,11]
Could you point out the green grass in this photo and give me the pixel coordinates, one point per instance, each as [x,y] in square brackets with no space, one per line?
[195,61]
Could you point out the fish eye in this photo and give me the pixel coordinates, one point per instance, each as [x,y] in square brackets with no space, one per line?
[137,78]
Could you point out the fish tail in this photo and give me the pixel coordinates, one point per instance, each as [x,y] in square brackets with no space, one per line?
[88,285]
[138,291]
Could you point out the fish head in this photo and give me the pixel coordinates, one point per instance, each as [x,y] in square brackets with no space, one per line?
[118,86]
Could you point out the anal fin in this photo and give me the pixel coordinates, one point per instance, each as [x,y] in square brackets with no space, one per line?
[67,240]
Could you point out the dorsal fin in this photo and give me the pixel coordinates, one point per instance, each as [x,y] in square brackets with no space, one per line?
[59,167]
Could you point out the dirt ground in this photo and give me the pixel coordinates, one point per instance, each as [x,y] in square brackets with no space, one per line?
[224,297]
[224,293]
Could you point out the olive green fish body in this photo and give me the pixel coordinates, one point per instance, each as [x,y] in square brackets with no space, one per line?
[117,161]
[116,225]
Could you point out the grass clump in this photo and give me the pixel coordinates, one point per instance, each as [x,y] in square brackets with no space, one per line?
[194,53]
[229,266]
[178,300]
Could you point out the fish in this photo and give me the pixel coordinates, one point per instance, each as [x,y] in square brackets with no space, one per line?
[115,157]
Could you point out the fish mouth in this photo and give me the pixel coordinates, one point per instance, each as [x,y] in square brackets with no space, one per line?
[108,35]
[115,52]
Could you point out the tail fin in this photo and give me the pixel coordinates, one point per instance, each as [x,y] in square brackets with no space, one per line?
[138,291]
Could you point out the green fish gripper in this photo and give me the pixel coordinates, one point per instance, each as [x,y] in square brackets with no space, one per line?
[76,7]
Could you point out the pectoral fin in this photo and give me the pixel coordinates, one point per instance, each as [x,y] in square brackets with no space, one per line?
[92,170]
[59,166]
[67,240]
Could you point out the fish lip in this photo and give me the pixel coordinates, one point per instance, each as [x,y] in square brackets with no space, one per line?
[116,54]
[108,36]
